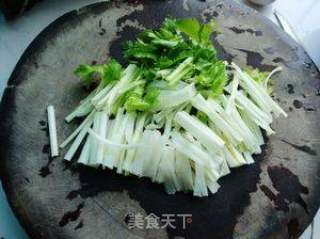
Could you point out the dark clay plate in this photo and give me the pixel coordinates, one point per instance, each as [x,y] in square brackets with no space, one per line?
[276,197]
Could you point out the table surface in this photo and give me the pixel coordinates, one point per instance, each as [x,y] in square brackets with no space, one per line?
[16,36]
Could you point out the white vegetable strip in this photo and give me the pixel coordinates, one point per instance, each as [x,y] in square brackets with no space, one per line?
[234,157]
[184,171]
[85,153]
[224,170]
[189,149]
[114,154]
[76,143]
[140,157]
[201,104]
[94,141]
[159,141]
[249,139]
[166,173]
[173,75]
[81,111]
[274,71]
[253,109]
[109,143]
[200,186]
[254,128]
[255,113]
[131,86]
[114,92]
[52,132]
[235,121]
[199,130]
[213,164]
[102,133]
[76,132]
[84,108]
[137,135]
[95,100]
[218,164]
[259,94]
[130,127]
[120,153]
[153,155]
[172,98]
[211,180]
[253,90]
[234,89]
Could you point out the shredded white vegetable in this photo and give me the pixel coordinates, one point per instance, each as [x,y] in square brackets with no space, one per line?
[172,145]
[52,131]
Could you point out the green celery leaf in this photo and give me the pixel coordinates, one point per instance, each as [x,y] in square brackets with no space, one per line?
[198,32]
[189,26]
[134,100]
[170,24]
[207,54]
[86,72]
[220,79]
[139,50]
[214,78]
[149,73]
[258,76]
[204,34]
[108,72]
[152,96]
[137,102]
[111,72]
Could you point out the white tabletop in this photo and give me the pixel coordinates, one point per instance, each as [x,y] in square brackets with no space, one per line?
[16,36]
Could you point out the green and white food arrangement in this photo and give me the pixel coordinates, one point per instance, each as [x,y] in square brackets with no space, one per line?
[175,114]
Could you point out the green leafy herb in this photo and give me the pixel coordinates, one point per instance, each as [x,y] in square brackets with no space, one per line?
[214,78]
[111,72]
[86,72]
[199,33]
[107,72]
[137,101]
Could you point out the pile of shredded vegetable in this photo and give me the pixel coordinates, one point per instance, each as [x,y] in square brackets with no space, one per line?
[175,114]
